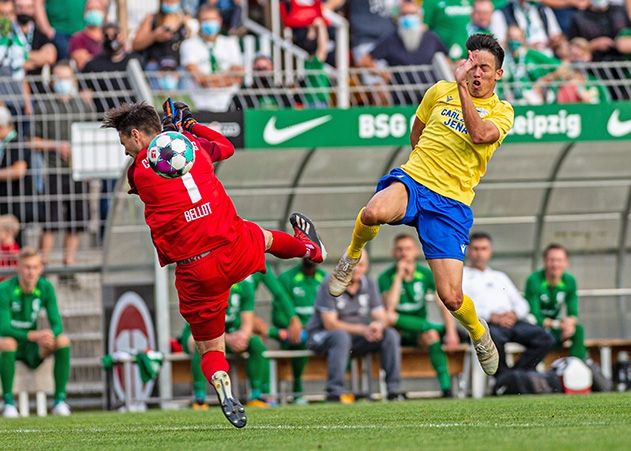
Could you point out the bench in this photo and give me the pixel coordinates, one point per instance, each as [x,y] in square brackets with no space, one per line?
[38,381]
[603,351]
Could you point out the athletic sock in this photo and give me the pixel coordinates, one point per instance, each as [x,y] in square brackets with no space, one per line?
[439,362]
[362,234]
[410,323]
[199,381]
[61,371]
[7,373]
[257,367]
[468,317]
[285,245]
[298,367]
[213,361]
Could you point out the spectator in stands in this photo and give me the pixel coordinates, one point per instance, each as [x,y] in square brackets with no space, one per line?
[9,247]
[66,207]
[354,323]
[22,299]
[410,45]
[13,56]
[59,20]
[404,287]
[301,284]
[168,78]
[87,43]
[214,61]
[299,15]
[601,25]
[481,15]
[17,181]
[370,21]
[449,20]
[161,34]
[316,80]
[42,51]
[263,93]
[548,290]
[231,13]
[538,23]
[498,302]
[523,66]
[113,58]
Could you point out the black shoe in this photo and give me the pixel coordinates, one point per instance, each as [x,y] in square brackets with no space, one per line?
[447,394]
[231,407]
[305,231]
[397,397]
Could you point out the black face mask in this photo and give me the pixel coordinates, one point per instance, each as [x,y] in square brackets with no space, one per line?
[111,45]
[24,19]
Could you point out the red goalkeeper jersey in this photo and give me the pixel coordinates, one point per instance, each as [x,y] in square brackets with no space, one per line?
[191,214]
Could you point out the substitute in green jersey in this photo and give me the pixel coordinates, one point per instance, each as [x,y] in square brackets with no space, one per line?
[547,291]
[240,338]
[22,300]
[404,287]
[301,284]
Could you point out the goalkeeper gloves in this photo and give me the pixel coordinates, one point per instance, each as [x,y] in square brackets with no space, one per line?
[187,121]
[170,116]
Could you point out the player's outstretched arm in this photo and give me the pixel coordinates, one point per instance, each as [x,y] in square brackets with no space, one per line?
[217,145]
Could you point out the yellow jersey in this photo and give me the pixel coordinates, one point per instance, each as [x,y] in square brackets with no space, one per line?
[445,159]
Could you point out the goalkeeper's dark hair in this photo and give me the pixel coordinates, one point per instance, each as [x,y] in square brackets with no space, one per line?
[480,236]
[487,42]
[126,117]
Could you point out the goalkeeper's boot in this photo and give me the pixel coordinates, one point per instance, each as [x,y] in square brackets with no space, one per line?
[342,274]
[305,231]
[231,407]
[488,356]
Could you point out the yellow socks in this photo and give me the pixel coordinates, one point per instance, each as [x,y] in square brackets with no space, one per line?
[468,317]
[361,235]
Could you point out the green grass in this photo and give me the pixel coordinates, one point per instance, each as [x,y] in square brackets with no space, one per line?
[598,421]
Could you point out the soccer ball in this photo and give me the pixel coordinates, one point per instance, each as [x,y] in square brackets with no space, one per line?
[171,154]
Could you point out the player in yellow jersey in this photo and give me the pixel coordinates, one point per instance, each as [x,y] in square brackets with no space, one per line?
[457,128]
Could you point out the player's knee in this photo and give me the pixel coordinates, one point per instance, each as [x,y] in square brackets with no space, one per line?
[374,213]
[391,337]
[430,337]
[451,297]
[62,341]
[340,339]
[215,344]
[9,344]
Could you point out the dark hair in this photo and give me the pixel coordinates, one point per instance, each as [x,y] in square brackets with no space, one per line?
[128,116]
[207,8]
[403,236]
[487,42]
[480,236]
[553,246]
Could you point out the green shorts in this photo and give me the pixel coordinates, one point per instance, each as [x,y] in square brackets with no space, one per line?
[28,353]
[411,338]
[184,336]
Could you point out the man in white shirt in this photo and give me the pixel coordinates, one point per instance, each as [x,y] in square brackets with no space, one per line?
[498,301]
[214,61]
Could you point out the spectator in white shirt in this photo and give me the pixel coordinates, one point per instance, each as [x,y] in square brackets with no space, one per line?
[214,61]
[498,301]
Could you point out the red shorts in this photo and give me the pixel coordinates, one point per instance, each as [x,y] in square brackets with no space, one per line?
[203,286]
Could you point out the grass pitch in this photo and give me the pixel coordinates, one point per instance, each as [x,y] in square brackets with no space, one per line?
[595,422]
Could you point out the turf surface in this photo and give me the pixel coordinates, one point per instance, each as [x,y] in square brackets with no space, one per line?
[598,421]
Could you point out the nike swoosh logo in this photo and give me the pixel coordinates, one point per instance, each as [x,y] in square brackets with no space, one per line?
[616,127]
[273,135]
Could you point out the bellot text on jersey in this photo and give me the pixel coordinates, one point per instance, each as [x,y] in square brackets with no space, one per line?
[197,212]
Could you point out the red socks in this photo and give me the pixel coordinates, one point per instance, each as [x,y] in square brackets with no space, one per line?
[213,361]
[285,245]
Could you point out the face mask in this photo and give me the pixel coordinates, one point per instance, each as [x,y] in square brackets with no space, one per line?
[93,18]
[24,19]
[210,27]
[411,37]
[168,82]
[111,45]
[600,4]
[514,45]
[63,87]
[170,9]
[409,21]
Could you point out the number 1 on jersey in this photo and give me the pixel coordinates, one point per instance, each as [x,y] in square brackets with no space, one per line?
[191,188]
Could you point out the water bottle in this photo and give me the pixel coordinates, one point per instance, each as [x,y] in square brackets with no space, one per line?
[622,374]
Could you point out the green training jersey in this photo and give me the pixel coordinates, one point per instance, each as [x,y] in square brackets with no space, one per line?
[280,297]
[20,311]
[241,300]
[547,301]
[302,290]
[449,20]
[412,300]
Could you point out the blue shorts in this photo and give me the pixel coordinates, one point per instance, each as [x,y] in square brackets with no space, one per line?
[442,224]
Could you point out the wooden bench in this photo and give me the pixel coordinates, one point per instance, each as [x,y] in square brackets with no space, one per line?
[603,351]
[38,381]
